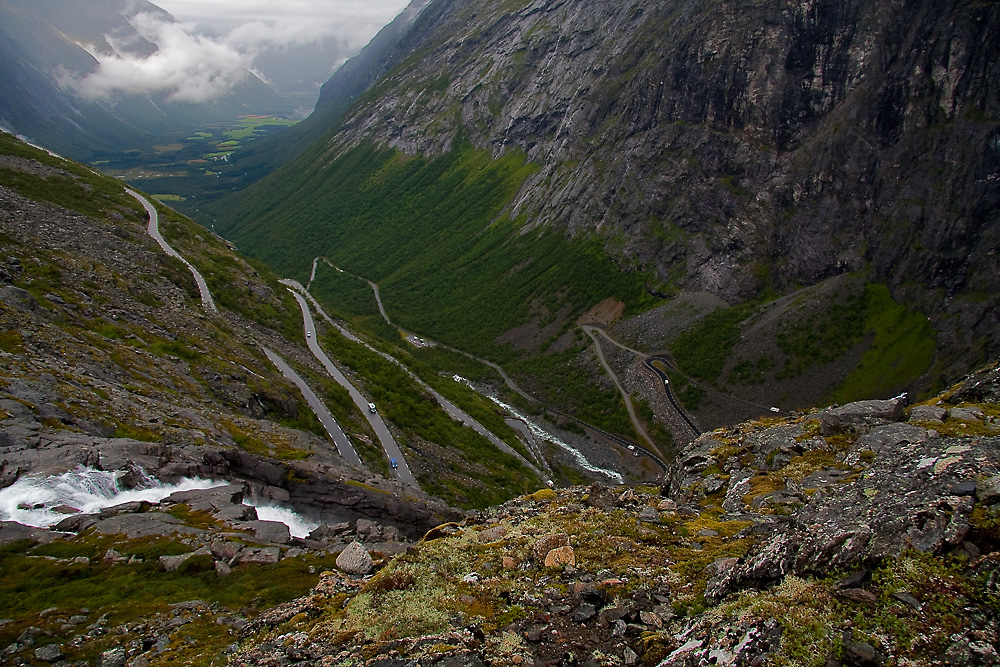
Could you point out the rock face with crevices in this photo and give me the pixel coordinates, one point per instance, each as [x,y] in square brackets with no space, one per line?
[847,486]
[723,147]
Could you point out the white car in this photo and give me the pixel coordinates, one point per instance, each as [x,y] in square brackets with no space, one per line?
[309,334]
[371,408]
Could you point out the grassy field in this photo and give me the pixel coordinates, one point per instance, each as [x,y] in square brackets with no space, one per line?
[183,169]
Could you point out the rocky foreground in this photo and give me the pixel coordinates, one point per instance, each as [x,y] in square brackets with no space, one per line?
[209,535]
[863,534]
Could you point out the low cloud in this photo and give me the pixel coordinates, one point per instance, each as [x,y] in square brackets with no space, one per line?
[214,48]
[187,66]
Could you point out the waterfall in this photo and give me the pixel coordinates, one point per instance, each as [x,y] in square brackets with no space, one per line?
[297,526]
[541,434]
[42,501]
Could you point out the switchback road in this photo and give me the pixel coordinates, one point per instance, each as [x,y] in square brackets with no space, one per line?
[392,450]
[454,411]
[154,230]
[336,433]
[326,419]
[592,332]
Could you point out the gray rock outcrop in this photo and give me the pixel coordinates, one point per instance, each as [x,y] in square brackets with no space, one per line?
[355,560]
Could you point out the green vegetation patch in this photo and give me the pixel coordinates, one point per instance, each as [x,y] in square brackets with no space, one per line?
[702,351]
[815,619]
[75,187]
[432,233]
[249,127]
[481,475]
[34,579]
[902,348]
[262,445]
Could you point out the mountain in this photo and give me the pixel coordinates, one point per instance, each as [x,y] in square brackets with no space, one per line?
[41,51]
[337,95]
[91,283]
[142,372]
[797,203]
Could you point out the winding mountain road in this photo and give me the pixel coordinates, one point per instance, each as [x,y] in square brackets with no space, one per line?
[453,411]
[590,331]
[392,450]
[322,413]
[153,229]
[648,363]
[625,442]
[333,429]
[385,316]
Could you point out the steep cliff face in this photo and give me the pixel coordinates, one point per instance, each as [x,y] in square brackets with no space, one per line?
[732,147]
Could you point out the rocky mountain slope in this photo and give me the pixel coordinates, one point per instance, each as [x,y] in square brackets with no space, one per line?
[726,153]
[105,339]
[114,377]
[862,534]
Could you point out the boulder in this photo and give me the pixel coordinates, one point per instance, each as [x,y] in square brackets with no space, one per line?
[260,555]
[49,653]
[366,527]
[355,560]
[75,523]
[226,551]
[112,556]
[11,531]
[971,414]
[271,532]
[209,499]
[862,654]
[173,563]
[133,507]
[231,513]
[859,416]
[548,543]
[988,490]
[18,298]
[115,657]
[560,556]
[649,515]
[147,524]
[494,534]
[927,413]
[584,613]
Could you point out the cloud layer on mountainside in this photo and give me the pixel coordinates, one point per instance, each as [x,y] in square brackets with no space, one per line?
[204,56]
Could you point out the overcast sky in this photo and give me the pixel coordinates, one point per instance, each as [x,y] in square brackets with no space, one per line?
[357,20]
[216,41]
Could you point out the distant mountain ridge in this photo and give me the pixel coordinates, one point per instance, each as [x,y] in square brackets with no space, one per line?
[40,49]
[336,97]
